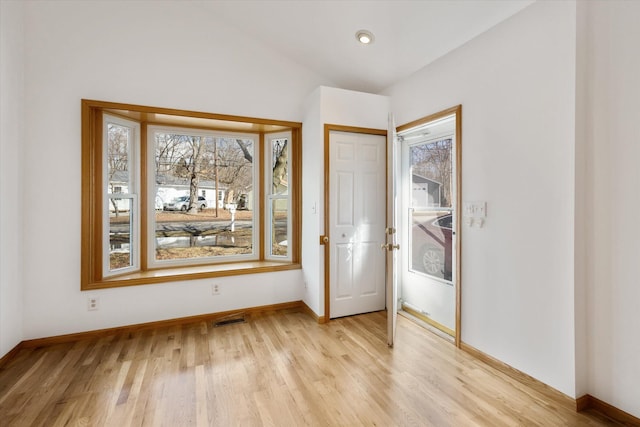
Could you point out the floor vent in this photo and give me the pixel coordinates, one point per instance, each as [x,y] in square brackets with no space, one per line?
[229,320]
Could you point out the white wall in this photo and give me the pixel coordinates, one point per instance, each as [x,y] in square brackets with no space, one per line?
[516,84]
[612,270]
[581,226]
[537,295]
[312,197]
[11,162]
[327,105]
[168,54]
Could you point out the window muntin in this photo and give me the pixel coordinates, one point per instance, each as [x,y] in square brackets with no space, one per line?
[190,168]
[121,141]
[278,149]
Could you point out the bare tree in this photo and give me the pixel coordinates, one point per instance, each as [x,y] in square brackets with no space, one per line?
[280,164]
[243,146]
[433,161]
[279,189]
[197,149]
[190,166]
[182,156]
[167,153]
[228,161]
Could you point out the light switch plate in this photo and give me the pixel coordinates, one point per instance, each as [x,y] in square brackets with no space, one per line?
[475,209]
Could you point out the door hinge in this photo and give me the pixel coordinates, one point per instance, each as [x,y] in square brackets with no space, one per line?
[390,230]
[389,246]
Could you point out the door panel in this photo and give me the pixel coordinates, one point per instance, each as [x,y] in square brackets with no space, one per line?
[369,280]
[356,205]
[344,271]
[344,207]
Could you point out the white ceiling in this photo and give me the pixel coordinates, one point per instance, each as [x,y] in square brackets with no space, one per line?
[320,35]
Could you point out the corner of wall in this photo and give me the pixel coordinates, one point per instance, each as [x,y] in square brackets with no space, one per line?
[336,106]
[312,167]
[11,169]
[581,211]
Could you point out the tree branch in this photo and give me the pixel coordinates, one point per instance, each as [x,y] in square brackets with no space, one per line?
[245,151]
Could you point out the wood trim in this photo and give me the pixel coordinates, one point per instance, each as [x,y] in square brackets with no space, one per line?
[261,195]
[91,197]
[429,321]
[216,129]
[537,385]
[306,309]
[325,232]
[328,128]
[187,113]
[293,306]
[449,111]
[86,198]
[458,331]
[583,403]
[296,195]
[589,402]
[194,272]
[4,360]
[144,197]
[354,129]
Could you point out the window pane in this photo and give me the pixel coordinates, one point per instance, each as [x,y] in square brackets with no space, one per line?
[278,218]
[118,156]
[431,208]
[280,166]
[431,174]
[120,228]
[279,227]
[194,173]
[431,243]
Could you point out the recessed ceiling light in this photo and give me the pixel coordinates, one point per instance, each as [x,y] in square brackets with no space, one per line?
[364,36]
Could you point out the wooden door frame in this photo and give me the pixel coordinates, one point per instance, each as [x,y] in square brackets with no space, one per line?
[457,111]
[328,128]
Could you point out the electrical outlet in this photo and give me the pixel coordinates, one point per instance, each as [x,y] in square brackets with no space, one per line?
[93,303]
[215,289]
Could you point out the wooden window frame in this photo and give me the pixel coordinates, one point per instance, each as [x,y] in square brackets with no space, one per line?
[92,276]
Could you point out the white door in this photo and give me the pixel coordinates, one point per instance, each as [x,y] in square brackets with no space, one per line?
[357,200]
[429,282]
[392,232]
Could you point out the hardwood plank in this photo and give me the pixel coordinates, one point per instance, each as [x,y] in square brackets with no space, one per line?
[273,370]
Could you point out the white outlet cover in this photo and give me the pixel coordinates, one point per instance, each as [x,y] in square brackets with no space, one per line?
[93,303]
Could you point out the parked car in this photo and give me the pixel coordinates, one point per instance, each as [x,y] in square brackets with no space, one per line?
[182,204]
[432,245]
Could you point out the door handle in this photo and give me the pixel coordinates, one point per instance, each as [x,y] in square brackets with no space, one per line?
[389,246]
[324,240]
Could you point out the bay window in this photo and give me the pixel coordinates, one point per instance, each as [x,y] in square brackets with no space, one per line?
[177,195]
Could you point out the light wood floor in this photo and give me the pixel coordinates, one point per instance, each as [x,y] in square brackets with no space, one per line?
[276,370]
